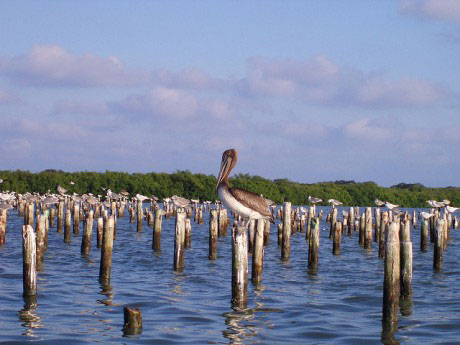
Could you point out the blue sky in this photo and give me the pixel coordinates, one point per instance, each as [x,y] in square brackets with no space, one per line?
[308,90]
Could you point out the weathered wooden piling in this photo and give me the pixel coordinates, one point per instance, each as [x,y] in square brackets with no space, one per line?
[406,261]
[179,242]
[188,233]
[382,232]
[67,237]
[267,232]
[311,215]
[391,280]
[377,224]
[30,214]
[140,215]
[87,234]
[424,236]
[52,217]
[337,238]
[286,240]
[334,213]
[368,228]
[313,246]
[3,218]
[223,222]
[156,243]
[40,239]
[132,324]
[105,267]
[351,220]
[76,219]
[239,268]
[280,234]
[252,231]
[213,234]
[29,260]
[60,216]
[258,252]
[438,244]
[100,231]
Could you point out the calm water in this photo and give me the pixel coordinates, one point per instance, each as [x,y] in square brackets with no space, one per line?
[340,305]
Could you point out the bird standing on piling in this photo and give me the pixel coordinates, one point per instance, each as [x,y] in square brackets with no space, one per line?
[245,203]
[181,202]
[314,200]
[334,202]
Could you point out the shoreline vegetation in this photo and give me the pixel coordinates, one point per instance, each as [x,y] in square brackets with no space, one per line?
[195,185]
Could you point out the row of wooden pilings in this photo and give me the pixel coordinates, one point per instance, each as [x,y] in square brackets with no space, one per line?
[388,234]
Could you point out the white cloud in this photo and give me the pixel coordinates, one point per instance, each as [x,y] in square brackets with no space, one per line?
[437,9]
[7,97]
[367,130]
[53,66]
[191,78]
[321,81]
[66,106]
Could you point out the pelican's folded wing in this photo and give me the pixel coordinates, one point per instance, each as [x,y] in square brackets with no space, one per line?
[253,201]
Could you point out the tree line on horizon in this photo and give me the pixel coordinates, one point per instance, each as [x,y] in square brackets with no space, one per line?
[201,186]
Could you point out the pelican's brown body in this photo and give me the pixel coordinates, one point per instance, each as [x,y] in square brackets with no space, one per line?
[247,204]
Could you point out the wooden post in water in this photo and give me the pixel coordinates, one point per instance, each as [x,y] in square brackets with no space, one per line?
[67,237]
[100,231]
[362,229]
[239,268]
[391,280]
[333,221]
[40,239]
[52,217]
[105,268]
[368,228]
[29,261]
[132,324]
[60,216]
[223,222]
[313,246]
[351,220]
[76,219]
[286,240]
[406,261]
[337,238]
[438,244]
[280,234]
[156,243]
[383,224]
[188,233]
[377,225]
[179,240]
[311,215]
[424,236]
[252,231]
[140,215]
[87,234]
[267,232]
[2,226]
[30,214]
[213,234]
[258,253]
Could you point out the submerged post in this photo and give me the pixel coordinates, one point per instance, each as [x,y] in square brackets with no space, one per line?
[337,238]
[239,268]
[406,261]
[391,280]
[438,244]
[313,246]
[213,233]
[67,237]
[286,240]
[132,324]
[107,250]
[157,229]
[179,241]
[258,252]
[29,260]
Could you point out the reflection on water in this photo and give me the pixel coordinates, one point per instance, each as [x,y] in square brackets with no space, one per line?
[238,330]
[107,291]
[28,316]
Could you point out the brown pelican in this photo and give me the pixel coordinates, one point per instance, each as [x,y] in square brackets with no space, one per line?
[247,204]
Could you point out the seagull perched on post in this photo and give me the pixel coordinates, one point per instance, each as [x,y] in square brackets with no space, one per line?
[314,200]
[334,202]
[390,206]
[181,202]
[245,203]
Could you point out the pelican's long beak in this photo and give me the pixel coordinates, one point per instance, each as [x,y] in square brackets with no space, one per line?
[224,169]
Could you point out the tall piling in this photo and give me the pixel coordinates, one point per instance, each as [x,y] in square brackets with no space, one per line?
[424,236]
[213,234]
[140,215]
[438,244]
[313,246]
[76,219]
[368,228]
[337,238]
[391,281]
[258,252]
[3,217]
[40,241]
[239,268]
[286,240]
[29,261]
[60,216]
[87,234]
[179,242]
[67,237]
[406,261]
[105,267]
[156,243]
